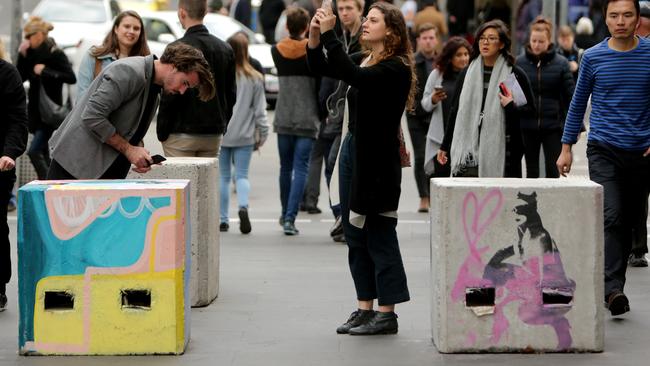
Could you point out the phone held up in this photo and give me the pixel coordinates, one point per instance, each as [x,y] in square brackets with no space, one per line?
[327,6]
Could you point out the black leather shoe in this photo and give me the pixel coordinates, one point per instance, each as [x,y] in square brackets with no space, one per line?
[617,303]
[244,221]
[3,302]
[380,323]
[357,318]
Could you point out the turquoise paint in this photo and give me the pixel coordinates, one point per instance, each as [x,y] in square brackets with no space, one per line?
[114,241]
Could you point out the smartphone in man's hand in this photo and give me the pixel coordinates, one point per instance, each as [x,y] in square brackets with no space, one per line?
[157,159]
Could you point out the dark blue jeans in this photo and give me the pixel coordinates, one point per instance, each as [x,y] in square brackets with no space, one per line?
[38,152]
[294,164]
[625,176]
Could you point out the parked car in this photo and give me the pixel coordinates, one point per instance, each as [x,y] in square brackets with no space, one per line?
[76,20]
[144,5]
[163,27]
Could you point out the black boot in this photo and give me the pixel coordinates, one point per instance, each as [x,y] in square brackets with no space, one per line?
[356,319]
[380,323]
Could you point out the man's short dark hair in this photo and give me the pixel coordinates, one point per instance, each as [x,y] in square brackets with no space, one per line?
[297,21]
[196,9]
[186,58]
[607,2]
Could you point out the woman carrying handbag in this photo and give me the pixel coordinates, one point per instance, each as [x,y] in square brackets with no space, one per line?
[45,66]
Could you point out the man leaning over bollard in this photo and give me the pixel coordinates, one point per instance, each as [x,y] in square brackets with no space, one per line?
[102,135]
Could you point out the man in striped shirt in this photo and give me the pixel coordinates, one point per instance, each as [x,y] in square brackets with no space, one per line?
[615,73]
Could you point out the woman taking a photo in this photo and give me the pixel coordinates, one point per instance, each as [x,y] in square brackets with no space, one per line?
[126,38]
[483,129]
[552,84]
[247,131]
[45,66]
[440,86]
[382,83]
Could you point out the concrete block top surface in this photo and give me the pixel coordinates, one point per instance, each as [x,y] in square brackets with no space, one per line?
[514,182]
[95,185]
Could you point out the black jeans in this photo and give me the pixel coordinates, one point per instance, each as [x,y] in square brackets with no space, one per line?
[375,261]
[418,128]
[625,177]
[39,153]
[7,180]
[550,139]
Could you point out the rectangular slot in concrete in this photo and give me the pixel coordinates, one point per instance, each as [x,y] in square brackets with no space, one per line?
[554,297]
[58,300]
[480,296]
[136,299]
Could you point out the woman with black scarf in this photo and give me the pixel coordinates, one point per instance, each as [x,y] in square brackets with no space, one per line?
[41,62]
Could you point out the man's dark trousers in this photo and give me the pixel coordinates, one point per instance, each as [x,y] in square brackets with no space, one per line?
[625,177]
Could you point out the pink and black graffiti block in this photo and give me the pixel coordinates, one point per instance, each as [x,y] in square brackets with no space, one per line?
[529,272]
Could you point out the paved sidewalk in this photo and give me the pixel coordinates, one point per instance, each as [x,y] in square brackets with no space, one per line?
[281,299]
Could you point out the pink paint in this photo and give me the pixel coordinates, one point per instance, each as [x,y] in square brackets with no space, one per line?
[470,273]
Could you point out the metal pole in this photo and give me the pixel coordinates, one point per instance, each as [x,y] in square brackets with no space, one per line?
[16,30]
[564,12]
[549,10]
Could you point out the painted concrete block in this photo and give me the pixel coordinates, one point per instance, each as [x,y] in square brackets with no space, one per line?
[102,267]
[517,265]
[204,199]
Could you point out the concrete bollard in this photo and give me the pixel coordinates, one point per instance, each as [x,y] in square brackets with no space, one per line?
[102,267]
[204,198]
[517,265]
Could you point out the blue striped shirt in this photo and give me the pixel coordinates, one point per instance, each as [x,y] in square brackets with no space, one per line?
[619,85]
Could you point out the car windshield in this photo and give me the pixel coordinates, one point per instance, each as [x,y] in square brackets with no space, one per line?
[82,11]
[225,27]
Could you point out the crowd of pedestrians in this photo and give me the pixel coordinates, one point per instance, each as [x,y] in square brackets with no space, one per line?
[473,109]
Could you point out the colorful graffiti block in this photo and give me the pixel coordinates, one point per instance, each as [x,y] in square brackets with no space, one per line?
[509,268]
[102,267]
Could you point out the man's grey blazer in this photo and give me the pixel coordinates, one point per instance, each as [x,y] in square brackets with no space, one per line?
[114,103]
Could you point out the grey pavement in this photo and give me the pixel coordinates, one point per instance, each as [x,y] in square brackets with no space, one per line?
[281,298]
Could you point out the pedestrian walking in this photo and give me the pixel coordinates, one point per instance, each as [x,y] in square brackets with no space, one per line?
[126,38]
[640,242]
[332,99]
[382,83]
[567,47]
[418,120]
[436,98]
[483,132]
[296,123]
[247,131]
[270,12]
[13,139]
[615,73]
[45,66]
[188,126]
[552,84]
[102,135]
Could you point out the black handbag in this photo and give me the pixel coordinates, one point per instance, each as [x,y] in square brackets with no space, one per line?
[53,114]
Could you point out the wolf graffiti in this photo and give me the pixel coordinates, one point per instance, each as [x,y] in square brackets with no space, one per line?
[531,273]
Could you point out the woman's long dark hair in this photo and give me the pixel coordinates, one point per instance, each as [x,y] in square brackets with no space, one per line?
[396,43]
[504,37]
[111,45]
[443,63]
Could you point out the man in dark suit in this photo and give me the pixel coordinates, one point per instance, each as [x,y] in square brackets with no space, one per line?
[187,126]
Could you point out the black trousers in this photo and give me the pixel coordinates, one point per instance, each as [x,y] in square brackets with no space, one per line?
[418,128]
[375,261]
[550,139]
[7,180]
[625,177]
[118,170]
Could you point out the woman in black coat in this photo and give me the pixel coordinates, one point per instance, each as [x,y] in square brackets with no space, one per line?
[552,83]
[483,138]
[380,88]
[42,63]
